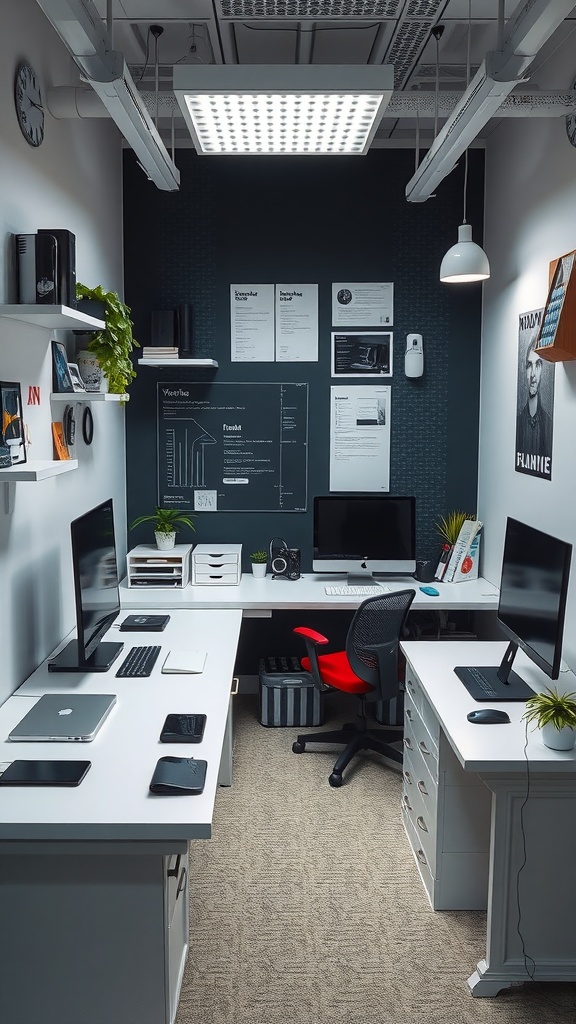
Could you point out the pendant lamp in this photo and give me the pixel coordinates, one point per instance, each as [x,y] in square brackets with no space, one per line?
[465,261]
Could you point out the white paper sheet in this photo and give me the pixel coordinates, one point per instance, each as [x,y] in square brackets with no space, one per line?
[362,305]
[297,323]
[252,323]
[360,438]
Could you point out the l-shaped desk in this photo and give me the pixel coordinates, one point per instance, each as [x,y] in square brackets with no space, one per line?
[95,878]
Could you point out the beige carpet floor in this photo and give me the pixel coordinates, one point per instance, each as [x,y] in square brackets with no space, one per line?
[306,905]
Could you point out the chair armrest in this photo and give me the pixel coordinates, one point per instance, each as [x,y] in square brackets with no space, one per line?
[311,634]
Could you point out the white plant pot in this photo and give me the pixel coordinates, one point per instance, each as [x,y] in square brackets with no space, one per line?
[91,372]
[165,541]
[259,570]
[558,739]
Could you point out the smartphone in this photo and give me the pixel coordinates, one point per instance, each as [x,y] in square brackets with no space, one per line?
[44,773]
[183,729]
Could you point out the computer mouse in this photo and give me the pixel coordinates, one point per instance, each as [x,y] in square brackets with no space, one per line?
[488,716]
[430,590]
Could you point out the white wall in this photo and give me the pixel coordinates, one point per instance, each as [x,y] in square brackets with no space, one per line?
[530,220]
[72,181]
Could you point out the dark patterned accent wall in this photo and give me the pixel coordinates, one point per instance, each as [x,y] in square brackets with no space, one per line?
[297,220]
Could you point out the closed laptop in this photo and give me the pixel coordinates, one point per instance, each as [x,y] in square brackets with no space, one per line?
[65,718]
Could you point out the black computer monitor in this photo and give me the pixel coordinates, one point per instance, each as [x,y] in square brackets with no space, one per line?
[531,609]
[364,534]
[96,591]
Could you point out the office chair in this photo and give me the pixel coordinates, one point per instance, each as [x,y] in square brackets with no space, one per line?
[367,668]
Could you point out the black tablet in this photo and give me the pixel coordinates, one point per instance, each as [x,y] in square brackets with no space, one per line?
[44,773]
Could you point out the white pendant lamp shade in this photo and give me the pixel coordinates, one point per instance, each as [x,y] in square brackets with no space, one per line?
[465,261]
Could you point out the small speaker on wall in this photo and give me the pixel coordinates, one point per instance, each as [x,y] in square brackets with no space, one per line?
[162,328]
[185,330]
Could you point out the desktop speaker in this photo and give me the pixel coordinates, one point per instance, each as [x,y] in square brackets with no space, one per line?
[65,292]
[425,569]
[37,261]
[284,561]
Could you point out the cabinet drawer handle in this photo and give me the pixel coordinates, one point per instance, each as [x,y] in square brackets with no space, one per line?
[421,823]
[408,743]
[235,686]
[173,872]
[422,787]
[408,777]
[424,748]
[410,686]
[181,883]
[409,715]
[407,803]
[421,857]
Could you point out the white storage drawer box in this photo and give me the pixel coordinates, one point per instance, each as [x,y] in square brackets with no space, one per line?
[217,565]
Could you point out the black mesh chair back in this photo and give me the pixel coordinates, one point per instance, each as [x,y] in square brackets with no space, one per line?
[372,641]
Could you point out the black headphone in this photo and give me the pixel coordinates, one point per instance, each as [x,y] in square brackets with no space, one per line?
[87,425]
[278,555]
[69,425]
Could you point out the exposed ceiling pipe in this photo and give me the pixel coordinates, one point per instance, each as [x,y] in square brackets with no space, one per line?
[528,29]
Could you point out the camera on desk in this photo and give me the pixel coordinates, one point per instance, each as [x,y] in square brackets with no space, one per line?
[284,561]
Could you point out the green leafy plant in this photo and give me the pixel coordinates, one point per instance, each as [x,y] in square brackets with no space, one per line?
[113,345]
[259,557]
[166,520]
[552,708]
[449,526]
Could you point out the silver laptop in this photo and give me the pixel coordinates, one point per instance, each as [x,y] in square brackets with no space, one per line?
[65,718]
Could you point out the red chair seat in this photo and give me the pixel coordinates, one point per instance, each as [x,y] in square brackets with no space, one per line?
[335,671]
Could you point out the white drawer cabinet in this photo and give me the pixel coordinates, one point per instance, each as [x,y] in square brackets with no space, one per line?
[217,565]
[445,810]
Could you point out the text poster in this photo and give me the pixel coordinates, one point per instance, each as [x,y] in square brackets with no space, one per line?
[357,354]
[252,323]
[360,438]
[238,447]
[362,305]
[297,323]
[535,402]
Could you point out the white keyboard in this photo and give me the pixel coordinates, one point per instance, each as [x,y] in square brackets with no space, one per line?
[368,591]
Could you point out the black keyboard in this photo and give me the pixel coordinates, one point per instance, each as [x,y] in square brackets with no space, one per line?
[139,662]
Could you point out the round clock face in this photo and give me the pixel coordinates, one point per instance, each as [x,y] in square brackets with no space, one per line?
[571,125]
[29,106]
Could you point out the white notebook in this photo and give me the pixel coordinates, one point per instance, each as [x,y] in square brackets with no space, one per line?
[184,661]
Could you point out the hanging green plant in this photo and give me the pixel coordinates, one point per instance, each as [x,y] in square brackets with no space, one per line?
[112,346]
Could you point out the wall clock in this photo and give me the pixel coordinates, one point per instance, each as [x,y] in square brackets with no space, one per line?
[571,124]
[29,106]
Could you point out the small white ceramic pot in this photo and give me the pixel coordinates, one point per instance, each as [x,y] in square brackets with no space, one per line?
[259,569]
[165,541]
[91,372]
[558,739]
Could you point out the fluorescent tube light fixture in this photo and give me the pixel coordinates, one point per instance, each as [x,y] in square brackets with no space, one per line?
[282,109]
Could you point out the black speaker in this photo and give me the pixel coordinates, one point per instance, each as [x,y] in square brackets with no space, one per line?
[425,570]
[36,257]
[185,321]
[293,563]
[65,266]
[284,561]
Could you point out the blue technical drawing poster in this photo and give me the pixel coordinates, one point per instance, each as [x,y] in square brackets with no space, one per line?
[238,447]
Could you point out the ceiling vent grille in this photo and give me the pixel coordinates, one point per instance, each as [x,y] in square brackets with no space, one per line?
[406,47]
[242,9]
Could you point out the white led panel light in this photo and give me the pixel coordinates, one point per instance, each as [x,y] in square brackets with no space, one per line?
[290,110]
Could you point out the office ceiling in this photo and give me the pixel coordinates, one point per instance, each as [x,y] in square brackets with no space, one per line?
[398,32]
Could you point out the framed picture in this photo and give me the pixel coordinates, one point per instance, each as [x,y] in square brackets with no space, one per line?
[61,379]
[12,438]
[77,382]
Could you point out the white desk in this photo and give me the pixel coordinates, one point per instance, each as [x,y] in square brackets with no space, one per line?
[467,802]
[94,879]
[263,596]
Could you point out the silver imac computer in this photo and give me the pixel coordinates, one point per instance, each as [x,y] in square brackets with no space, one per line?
[364,535]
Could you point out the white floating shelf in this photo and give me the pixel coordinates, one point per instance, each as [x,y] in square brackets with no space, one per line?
[211,363]
[39,470]
[87,396]
[55,317]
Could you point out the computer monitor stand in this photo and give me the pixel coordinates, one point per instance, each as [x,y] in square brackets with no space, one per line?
[360,579]
[99,661]
[495,682]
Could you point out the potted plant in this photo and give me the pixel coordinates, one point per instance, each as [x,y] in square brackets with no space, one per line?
[110,347]
[449,526]
[555,716]
[259,561]
[166,522]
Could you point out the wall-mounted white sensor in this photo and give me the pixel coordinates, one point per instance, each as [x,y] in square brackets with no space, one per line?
[414,358]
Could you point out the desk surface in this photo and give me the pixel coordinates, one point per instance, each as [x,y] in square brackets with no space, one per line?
[483,748]
[113,801]
[269,594]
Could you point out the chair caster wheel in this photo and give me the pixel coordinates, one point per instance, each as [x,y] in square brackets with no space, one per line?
[298,748]
[335,779]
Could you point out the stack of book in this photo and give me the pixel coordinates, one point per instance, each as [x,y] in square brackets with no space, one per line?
[459,561]
[160,352]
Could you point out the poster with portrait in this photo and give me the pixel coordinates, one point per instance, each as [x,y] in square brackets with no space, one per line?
[535,402]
